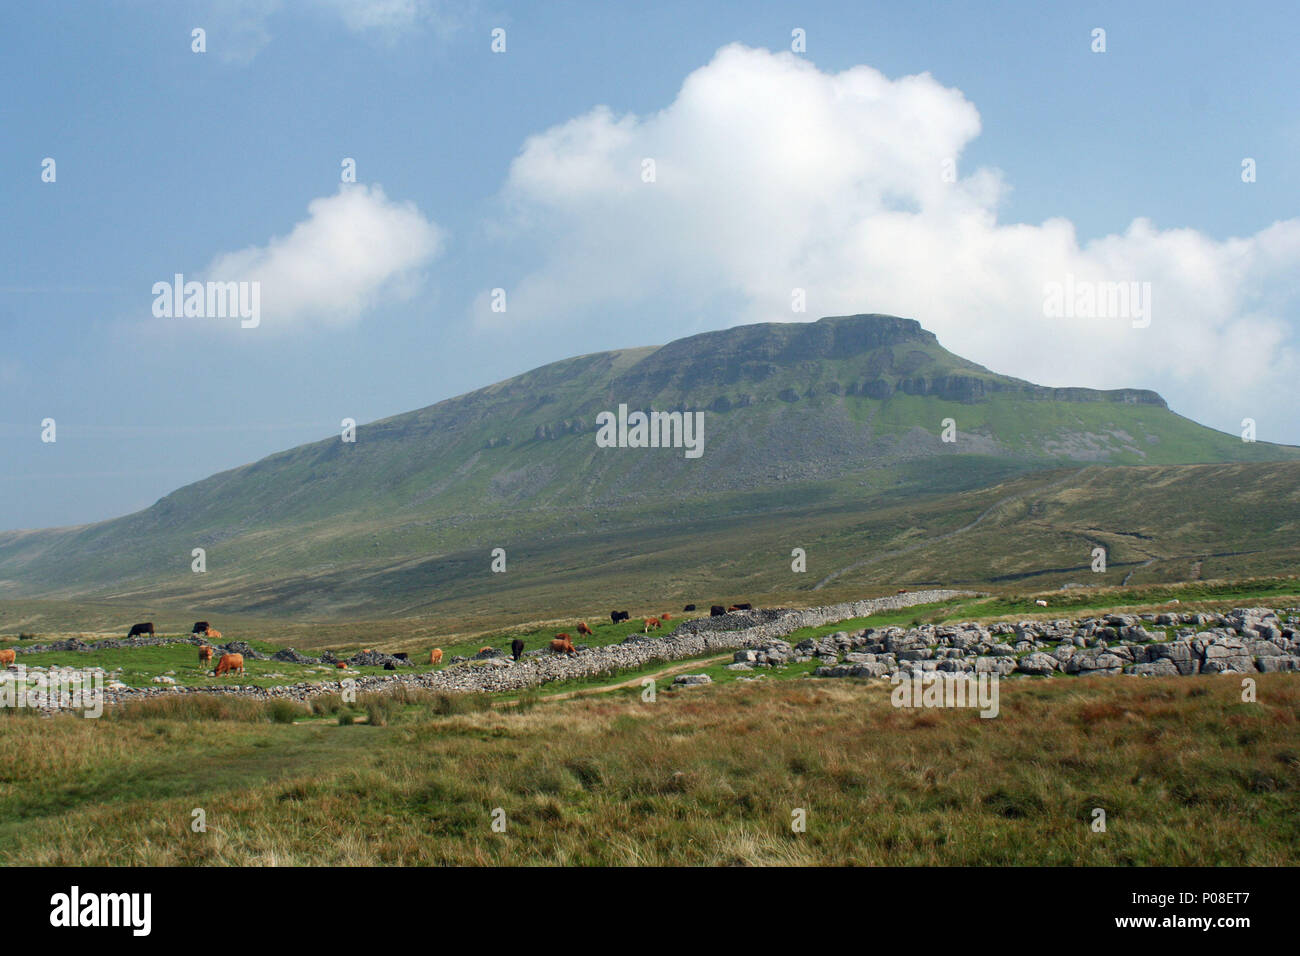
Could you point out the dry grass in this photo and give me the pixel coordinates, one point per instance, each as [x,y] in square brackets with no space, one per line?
[1187,774]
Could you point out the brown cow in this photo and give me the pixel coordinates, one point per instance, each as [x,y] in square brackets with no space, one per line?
[214,634]
[562,645]
[665,617]
[342,665]
[583,628]
[435,656]
[205,654]
[649,623]
[7,657]
[229,662]
[485,648]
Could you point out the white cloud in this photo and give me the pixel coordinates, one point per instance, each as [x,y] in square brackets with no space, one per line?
[360,16]
[354,250]
[772,175]
[241,28]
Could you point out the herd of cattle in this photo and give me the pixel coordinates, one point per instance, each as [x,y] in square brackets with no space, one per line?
[227,664]
[231,663]
[563,643]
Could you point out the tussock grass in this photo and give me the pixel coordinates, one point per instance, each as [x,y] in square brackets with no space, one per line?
[1186,773]
[209,707]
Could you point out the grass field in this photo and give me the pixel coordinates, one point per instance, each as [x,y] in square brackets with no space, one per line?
[1186,773]
[589,772]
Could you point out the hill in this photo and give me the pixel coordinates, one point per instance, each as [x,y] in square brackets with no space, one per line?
[829,432]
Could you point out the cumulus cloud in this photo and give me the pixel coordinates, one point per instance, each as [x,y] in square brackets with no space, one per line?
[354,250]
[770,176]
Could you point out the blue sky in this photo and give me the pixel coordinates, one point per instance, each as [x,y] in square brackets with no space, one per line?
[522,170]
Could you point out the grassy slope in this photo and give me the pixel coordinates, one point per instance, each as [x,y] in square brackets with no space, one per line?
[1034,531]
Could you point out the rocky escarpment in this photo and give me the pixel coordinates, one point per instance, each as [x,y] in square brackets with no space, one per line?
[890,354]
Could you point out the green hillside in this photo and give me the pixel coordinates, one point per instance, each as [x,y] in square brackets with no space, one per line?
[812,431]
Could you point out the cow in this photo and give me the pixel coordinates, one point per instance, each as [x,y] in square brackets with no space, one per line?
[665,617]
[342,665]
[205,654]
[214,634]
[145,628]
[7,657]
[740,607]
[435,656]
[1041,603]
[402,657]
[689,607]
[650,622]
[229,662]
[717,610]
[516,647]
[583,628]
[902,591]
[485,649]
[616,616]
[200,627]
[562,645]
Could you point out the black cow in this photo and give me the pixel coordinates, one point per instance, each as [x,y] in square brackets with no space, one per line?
[741,607]
[145,628]
[617,616]
[402,657]
[689,607]
[517,647]
[200,627]
[717,610]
